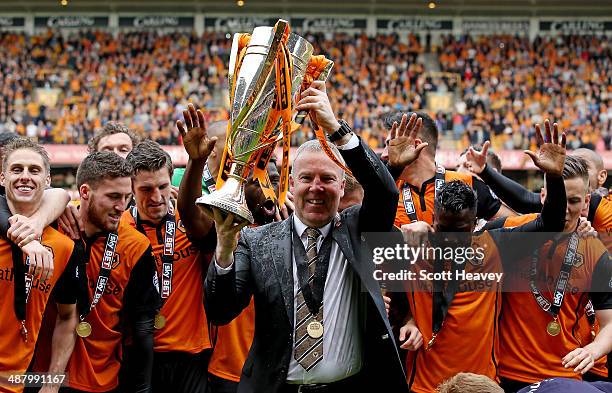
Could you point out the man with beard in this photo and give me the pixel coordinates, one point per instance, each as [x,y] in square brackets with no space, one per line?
[26,289]
[121,293]
[181,340]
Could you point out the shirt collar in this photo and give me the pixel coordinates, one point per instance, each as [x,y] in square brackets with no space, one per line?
[300,227]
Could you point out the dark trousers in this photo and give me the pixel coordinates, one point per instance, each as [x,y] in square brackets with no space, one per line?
[512,386]
[220,385]
[180,372]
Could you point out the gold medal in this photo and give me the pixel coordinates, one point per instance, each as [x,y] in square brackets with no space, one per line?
[553,328]
[83,329]
[160,322]
[314,329]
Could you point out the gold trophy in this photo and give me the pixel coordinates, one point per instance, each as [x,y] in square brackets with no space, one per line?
[266,71]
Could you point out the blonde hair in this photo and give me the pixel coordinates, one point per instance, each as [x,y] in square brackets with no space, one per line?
[469,383]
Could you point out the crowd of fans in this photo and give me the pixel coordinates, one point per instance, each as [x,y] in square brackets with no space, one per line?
[507,84]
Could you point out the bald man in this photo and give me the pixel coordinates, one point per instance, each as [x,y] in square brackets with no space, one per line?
[597,173]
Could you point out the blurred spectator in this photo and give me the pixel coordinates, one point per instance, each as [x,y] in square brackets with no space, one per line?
[59,89]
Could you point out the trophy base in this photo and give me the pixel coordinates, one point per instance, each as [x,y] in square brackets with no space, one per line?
[229,199]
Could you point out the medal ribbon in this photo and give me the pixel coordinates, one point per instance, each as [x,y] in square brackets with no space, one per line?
[22,287]
[313,294]
[106,266]
[167,250]
[439,181]
[562,280]
[442,298]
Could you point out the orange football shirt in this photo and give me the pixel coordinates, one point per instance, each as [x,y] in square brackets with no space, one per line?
[466,341]
[186,328]
[527,352]
[583,329]
[15,353]
[95,361]
[424,198]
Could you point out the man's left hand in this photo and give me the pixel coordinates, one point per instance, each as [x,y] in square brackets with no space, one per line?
[581,359]
[315,100]
[23,230]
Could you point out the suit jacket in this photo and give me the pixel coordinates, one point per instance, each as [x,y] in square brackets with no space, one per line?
[263,268]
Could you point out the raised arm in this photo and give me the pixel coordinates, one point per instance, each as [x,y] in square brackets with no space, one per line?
[380,193]
[550,158]
[515,195]
[198,146]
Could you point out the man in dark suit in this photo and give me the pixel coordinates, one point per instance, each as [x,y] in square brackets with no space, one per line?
[320,318]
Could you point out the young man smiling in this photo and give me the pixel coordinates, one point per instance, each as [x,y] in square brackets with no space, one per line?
[24,287]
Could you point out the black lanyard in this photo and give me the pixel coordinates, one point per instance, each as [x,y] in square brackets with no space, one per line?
[167,249]
[439,181]
[562,280]
[442,298]
[106,266]
[313,296]
[22,286]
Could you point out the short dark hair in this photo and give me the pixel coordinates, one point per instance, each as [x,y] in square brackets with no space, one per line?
[112,128]
[102,165]
[574,167]
[456,196]
[6,137]
[429,130]
[25,143]
[149,156]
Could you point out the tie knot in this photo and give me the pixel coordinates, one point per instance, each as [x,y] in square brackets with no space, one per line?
[313,233]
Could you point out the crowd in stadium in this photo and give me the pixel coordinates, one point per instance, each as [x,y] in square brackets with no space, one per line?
[349,271]
[507,84]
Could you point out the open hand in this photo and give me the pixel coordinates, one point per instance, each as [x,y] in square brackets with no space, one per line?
[404,147]
[475,160]
[550,157]
[195,138]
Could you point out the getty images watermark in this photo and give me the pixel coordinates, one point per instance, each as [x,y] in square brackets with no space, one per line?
[489,261]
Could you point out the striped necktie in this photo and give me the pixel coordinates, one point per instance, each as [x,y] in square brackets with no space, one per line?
[308,350]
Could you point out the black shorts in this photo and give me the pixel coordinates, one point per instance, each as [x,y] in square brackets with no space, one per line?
[180,372]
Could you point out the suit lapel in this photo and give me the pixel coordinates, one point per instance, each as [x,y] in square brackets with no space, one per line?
[279,247]
[341,236]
